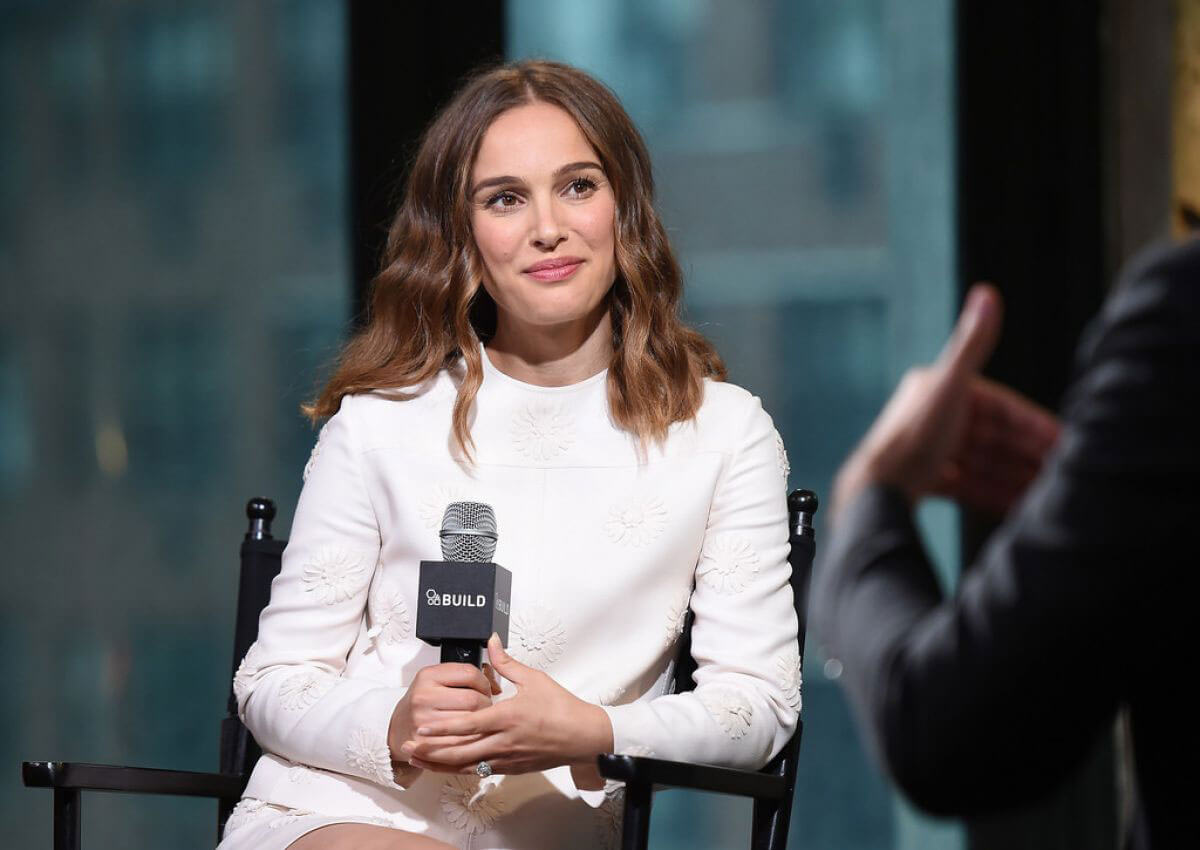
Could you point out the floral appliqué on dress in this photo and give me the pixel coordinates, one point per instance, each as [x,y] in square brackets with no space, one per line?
[637,522]
[367,752]
[249,810]
[334,575]
[469,807]
[637,750]
[729,708]
[391,622]
[785,468]
[287,816]
[538,636]
[790,676]
[302,690]
[543,431]
[677,616]
[246,671]
[727,564]
[316,451]
[433,505]
[300,774]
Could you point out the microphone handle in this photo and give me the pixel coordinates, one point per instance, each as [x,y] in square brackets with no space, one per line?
[461,652]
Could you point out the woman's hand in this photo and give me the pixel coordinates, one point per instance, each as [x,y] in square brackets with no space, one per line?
[438,692]
[543,726]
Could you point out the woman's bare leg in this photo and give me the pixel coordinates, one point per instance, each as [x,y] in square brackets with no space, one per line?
[361,836]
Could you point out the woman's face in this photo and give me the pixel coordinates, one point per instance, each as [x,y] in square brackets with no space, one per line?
[542,213]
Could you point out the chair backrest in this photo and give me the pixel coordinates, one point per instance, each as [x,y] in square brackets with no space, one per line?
[771,821]
[261,559]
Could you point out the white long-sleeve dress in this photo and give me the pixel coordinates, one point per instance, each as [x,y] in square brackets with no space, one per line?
[607,547]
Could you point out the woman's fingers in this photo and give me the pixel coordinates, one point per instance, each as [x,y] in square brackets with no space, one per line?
[448,741]
[504,664]
[483,722]
[461,755]
[461,699]
[490,672]
[432,703]
[498,767]
[454,675]
[428,765]
[542,726]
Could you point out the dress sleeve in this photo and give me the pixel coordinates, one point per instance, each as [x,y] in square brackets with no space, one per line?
[289,687]
[747,696]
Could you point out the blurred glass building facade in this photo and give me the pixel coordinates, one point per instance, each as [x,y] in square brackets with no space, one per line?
[174,272]
[173,277]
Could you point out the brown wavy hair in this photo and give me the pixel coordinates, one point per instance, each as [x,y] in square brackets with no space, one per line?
[427,305]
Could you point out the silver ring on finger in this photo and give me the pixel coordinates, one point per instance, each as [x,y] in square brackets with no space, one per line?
[483,770]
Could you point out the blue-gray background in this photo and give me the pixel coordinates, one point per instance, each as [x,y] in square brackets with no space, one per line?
[174,274]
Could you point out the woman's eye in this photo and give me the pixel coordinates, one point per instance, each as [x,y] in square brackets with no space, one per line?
[503,200]
[581,186]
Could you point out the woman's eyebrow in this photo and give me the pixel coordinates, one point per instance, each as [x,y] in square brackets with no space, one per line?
[576,166]
[508,179]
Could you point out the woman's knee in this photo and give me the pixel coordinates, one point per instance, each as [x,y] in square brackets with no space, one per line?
[359,836]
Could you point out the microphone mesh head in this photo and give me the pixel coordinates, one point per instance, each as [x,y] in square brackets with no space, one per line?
[468,532]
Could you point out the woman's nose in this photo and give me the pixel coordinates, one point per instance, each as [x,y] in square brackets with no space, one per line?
[548,231]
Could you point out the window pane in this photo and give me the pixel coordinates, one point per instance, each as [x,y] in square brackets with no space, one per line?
[803,155]
[175,273]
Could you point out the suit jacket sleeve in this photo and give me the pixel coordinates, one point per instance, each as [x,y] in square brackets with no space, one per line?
[289,687]
[980,701]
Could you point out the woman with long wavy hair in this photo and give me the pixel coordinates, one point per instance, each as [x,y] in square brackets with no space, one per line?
[524,349]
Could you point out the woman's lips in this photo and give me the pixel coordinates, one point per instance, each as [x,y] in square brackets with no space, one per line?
[553,270]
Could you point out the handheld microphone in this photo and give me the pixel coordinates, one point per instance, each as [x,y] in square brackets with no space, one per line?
[464,597]
[468,532]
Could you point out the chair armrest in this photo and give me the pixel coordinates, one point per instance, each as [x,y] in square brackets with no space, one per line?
[140,780]
[698,777]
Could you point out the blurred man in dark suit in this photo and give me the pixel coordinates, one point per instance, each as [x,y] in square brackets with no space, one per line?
[1081,601]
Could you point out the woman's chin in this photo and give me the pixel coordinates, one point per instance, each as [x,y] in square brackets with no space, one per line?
[547,320]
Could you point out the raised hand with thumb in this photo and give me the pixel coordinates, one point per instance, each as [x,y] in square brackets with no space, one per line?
[949,431]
